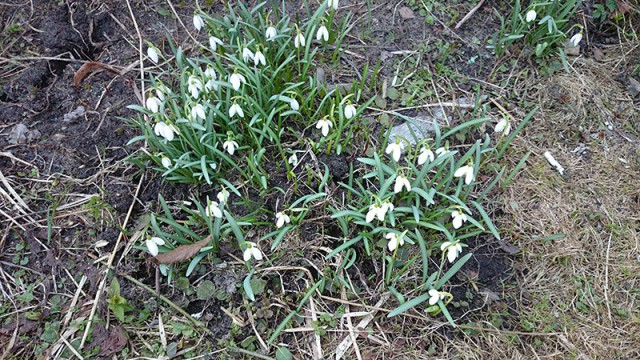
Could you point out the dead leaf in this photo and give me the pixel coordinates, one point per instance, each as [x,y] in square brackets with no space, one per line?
[406,13]
[182,252]
[88,68]
[622,8]
[598,54]
[114,343]
[634,87]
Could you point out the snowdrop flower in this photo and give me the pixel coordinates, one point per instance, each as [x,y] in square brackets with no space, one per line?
[401,181]
[258,58]
[213,210]
[350,111]
[374,211]
[197,112]
[395,149]
[575,39]
[441,151]
[458,218]
[230,146]
[166,162]
[153,103]
[282,219]
[210,73]
[294,104]
[236,79]
[434,296]
[214,42]
[395,240]
[162,91]
[425,155]
[293,160]
[194,86]
[322,33]
[251,251]
[152,245]
[247,55]
[386,207]
[324,124]
[223,196]
[198,22]
[235,109]
[453,250]
[152,52]
[531,15]
[503,126]
[467,172]
[333,4]
[271,33]
[299,40]
[165,130]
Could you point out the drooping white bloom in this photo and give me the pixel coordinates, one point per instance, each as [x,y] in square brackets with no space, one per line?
[167,131]
[152,52]
[434,296]
[197,112]
[378,211]
[441,151]
[295,105]
[453,250]
[395,240]
[214,42]
[333,4]
[251,251]
[152,245]
[194,86]
[531,15]
[322,34]
[211,75]
[235,109]
[324,124]
[386,206]
[166,162]
[236,79]
[153,103]
[198,22]
[223,196]
[575,39]
[258,58]
[425,154]
[458,218]
[230,146]
[299,40]
[467,172]
[282,219]
[395,149]
[293,160]
[350,111]
[213,210]
[162,91]
[247,55]
[271,33]
[401,181]
[503,125]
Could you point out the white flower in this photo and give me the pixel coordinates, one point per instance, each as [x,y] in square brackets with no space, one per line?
[271,33]
[235,109]
[198,22]
[401,181]
[258,58]
[425,154]
[235,79]
[223,196]
[467,172]
[194,86]
[299,40]
[247,55]
[379,211]
[441,151]
[294,104]
[152,245]
[322,33]
[503,126]
[165,130]
[333,4]
[282,219]
[575,39]
[458,218]
[213,210]
[230,146]
[531,15]
[166,162]
[434,296]
[386,206]
[251,251]
[214,42]
[453,250]
[350,111]
[210,73]
[152,52]
[162,91]
[293,160]
[395,240]
[153,103]
[324,124]
[395,148]
[197,112]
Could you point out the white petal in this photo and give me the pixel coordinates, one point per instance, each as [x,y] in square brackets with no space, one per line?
[166,162]
[256,253]
[452,254]
[153,54]
[500,125]
[393,244]
[457,222]
[246,255]
[371,214]
[444,245]
[469,175]
[398,185]
[461,171]
[152,247]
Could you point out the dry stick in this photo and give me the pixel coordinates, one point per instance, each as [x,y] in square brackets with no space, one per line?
[469,15]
